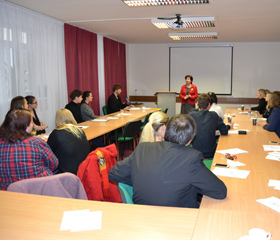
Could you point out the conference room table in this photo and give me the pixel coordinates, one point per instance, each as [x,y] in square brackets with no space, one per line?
[25,216]
[113,121]
[234,216]
[28,216]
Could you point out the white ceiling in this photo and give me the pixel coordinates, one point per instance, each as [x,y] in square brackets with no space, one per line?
[236,20]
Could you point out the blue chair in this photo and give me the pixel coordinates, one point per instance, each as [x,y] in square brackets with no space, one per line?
[126,193]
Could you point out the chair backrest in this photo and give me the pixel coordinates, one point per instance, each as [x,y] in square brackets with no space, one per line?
[165,110]
[105,110]
[146,120]
[132,128]
[126,193]
[65,185]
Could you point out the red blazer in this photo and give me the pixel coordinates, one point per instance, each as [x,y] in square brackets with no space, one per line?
[193,93]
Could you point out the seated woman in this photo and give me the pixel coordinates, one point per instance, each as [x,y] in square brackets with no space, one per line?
[273,121]
[154,130]
[268,109]
[68,142]
[214,106]
[21,155]
[86,110]
[262,103]
[39,125]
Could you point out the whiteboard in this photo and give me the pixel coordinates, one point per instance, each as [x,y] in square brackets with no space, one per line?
[210,66]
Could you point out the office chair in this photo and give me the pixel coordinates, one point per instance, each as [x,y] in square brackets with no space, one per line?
[126,193]
[105,110]
[208,162]
[146,120]
[66,185]
[130,133]
[164,110]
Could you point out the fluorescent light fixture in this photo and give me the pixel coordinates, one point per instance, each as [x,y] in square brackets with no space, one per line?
[193,35]
[188,22]
[145,3]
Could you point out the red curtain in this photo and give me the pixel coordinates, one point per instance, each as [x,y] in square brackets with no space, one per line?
[81,62]
[114,67]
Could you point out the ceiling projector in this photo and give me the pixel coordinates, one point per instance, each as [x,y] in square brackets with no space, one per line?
[177,26]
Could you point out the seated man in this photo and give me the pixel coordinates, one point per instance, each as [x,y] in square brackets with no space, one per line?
[74,105]
[207,123]
[169,173]
[114,101]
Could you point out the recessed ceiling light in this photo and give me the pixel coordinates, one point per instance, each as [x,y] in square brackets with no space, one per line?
[194,35]
[145,3]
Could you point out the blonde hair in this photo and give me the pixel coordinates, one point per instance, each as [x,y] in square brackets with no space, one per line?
[64,120]
[156,120]
[268,96]
[262,92]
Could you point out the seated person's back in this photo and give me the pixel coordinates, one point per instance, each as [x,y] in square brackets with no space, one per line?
[68,142]
[207,123]
[169,173]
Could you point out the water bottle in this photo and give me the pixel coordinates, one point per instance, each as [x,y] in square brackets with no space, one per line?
[256,114]
[249,110]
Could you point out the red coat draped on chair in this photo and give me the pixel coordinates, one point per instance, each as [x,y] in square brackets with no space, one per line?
[94,176]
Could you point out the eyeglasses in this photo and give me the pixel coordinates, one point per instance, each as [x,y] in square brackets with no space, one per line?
[35,103]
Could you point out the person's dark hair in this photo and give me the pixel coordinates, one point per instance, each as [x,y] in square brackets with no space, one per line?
[15,125]
[29,99]
[189,76]
[17,102]
[274,101]
[85,95]
[75,93]
[203,100]
[213,97]
[116,87]
[180,129]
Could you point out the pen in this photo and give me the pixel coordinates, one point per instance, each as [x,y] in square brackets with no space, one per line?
[273,142]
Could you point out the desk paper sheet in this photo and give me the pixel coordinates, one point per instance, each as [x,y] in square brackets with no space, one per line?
[236,131]
[228,172]
[112,118]
[272,157]
[272,202]
[235,163]
[81,220]
[232,151]
[271,148]
[274,183]
[100,120]
[82,127]
[135,108]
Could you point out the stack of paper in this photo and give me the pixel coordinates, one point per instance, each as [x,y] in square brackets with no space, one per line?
[81,220]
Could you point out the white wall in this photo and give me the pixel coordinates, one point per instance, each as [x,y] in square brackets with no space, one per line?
[255,65]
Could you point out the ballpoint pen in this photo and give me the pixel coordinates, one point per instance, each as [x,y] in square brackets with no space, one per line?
[274,142]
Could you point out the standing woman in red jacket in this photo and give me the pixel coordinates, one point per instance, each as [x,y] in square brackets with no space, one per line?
[188,95]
